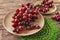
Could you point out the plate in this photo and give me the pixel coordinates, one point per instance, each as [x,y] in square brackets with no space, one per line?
[8,25]
[51,10]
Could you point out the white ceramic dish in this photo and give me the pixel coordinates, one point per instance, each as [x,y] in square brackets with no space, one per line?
[7,25]
[51,10]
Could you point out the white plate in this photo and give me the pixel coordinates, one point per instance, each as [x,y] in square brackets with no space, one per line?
[8,25]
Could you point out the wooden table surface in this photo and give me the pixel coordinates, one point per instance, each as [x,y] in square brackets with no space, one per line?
[7,6]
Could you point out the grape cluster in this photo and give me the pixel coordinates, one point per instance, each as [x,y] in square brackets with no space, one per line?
[45,5]
[23,18]
[56,17]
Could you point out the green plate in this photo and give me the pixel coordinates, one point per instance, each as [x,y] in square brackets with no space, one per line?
[49,32]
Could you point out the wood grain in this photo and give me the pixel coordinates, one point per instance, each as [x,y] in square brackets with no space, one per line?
[0,34]
[56,0]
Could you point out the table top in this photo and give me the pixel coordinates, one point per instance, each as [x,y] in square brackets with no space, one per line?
[7,6]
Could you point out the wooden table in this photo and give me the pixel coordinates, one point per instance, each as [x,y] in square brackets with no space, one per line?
[7,6]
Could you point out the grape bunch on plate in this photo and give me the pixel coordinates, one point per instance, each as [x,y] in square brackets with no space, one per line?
[23,18]
[44,6]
